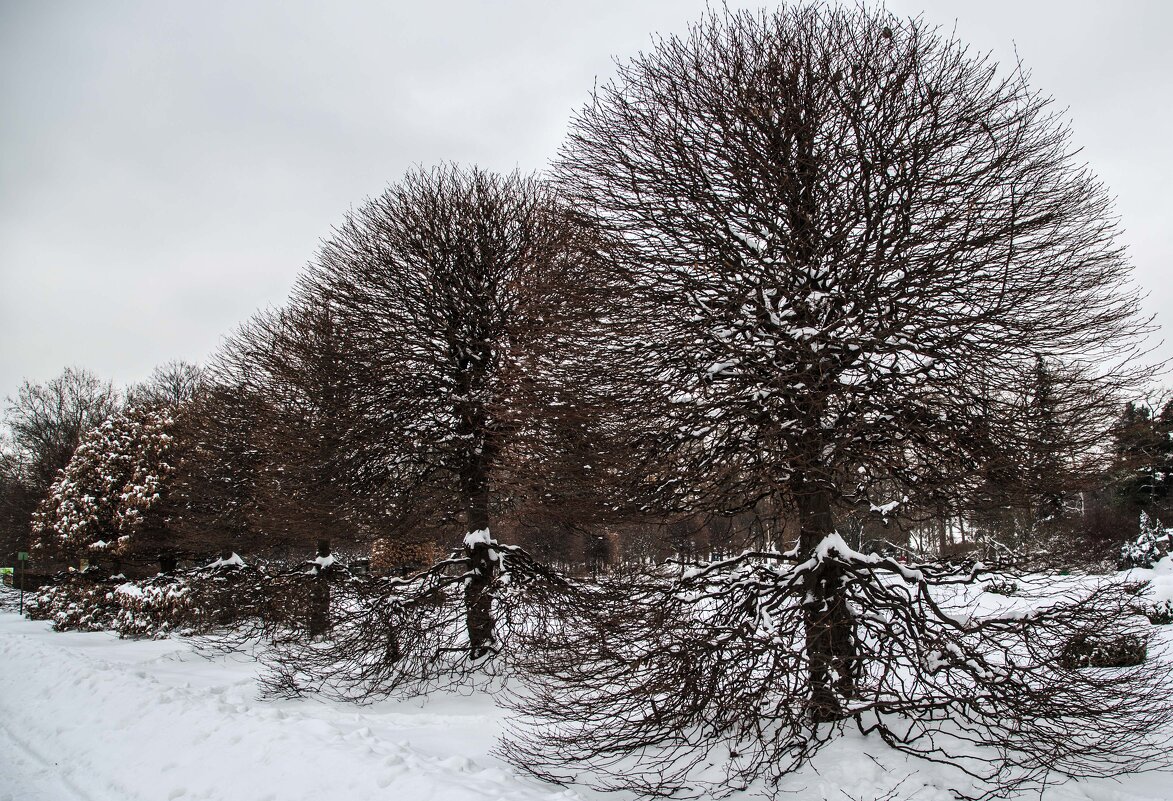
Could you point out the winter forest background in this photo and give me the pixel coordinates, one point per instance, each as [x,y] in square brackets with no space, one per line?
[806,391]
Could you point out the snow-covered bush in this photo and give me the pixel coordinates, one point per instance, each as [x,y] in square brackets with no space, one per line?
[1001,587]
[1126,650]
[78,602]
[1150,545]
[226,595]
[1159,613]
[102,497]
[156,608]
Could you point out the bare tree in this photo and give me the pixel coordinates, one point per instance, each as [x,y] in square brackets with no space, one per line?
[242,483]
[44,424]
[173,384]
[297,361]
[46,421]
[850,244]
[454,289]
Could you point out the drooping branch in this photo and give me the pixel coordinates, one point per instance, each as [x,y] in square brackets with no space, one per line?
[724,667]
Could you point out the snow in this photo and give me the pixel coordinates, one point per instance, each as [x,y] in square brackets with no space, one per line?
[479,537]
[232,561]
[1159,578]
[89,717]
[129,589]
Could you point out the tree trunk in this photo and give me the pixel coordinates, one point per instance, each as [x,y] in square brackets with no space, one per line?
[830,628]
[477,598]
[319,594]
[168,563]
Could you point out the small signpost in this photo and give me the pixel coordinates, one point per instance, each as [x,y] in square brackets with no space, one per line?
[22,557]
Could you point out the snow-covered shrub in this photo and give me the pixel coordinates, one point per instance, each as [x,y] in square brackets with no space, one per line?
[1002,587]
[156,608]
[1150,545]
[76,603]
[102,497]
[226,596]
[1159,613]
[223,595]
[1126,650]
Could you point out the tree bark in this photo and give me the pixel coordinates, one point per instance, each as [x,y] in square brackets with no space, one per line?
[319,617]
[168,563]
[477,598]
[830,628]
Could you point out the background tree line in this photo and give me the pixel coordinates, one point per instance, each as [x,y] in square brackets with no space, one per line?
[269,451]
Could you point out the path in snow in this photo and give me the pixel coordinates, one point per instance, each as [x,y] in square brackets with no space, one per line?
[87,717]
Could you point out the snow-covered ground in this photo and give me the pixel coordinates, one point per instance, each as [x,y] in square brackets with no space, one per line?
[89,717]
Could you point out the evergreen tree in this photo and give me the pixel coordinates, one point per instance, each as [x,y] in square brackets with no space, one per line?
[102,504]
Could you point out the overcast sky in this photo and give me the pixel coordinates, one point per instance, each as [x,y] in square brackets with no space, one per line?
[168,168]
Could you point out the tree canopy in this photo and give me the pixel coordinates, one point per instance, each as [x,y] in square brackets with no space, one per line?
[851,242]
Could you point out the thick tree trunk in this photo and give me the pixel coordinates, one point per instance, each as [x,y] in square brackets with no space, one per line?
[477,599]
[168,563]
[830,628]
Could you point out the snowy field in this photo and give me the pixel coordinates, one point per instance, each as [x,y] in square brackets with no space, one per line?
[89,717]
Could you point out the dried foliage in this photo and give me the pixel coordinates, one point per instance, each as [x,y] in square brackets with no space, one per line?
[77,602]
[227,602]
[101,503]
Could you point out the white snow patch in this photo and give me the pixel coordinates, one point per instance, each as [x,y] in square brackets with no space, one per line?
[886,509]
[89,717]
[231,560]
[479,537]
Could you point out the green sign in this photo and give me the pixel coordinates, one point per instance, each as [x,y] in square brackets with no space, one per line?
[23,556]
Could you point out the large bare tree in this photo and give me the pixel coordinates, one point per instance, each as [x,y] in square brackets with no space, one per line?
[456,288]
[852,242]
[852,245]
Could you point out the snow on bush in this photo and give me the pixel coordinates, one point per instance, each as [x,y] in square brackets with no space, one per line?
[117,474]
[1154,590]
[157,608]
[78,603]
[224,596]
[1150,545]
